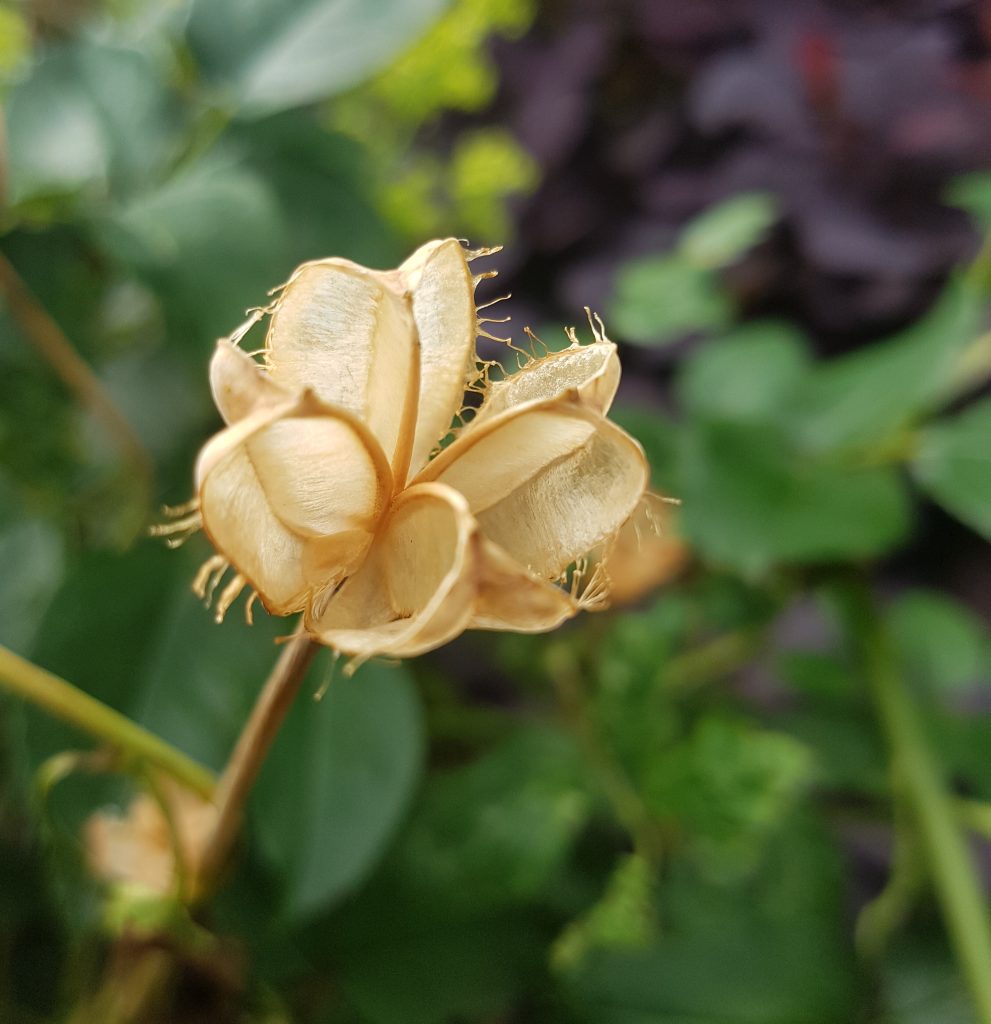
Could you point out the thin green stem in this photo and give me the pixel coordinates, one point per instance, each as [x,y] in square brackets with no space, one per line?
[564,671]
[978,274]
[893,450]
[209,125]
[973,367]
[709,661]
[919,780]
[889,910]
[65,701]
[975,815]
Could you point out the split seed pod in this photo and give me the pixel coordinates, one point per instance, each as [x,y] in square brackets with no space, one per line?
[329,490]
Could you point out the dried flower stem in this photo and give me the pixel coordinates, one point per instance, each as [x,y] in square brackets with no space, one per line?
[51,342]
[134,987]
[245,762]
[65,701]
[138,981]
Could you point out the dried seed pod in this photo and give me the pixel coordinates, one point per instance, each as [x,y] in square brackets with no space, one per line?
[331,492]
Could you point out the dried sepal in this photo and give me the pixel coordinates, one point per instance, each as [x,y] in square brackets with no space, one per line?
[155,845]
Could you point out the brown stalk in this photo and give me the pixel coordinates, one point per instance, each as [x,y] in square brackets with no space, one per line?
[249,754]
[55,348]
[136,988]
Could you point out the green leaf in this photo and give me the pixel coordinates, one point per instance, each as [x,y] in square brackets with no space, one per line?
[817,675]
[972,192]
[211,241]
[661,298]
[269,55]
[849,755]
[726,231]
[623,917]
[495,832]
[751,501]
[634,710]
[963,741]
[88,117]
[56,138]
[31,553]
[197,681]
[323,183]
[953,465]
[337,783]
[834,719]
[634,651]
[773,951]
[57,265]
[921,983]
[939,641]
[487,843]
[865,397]
[727,785]
[15,42]
[749,372]
[444,965]
[659,437]
[487,167]
[99,633]
[746,974]
[101,629]
[450,67]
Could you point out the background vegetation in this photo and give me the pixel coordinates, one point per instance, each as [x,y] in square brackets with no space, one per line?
[761,795]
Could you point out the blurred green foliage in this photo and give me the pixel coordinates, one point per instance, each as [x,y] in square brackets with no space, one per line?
[466,182]
[660,298]
[646,818]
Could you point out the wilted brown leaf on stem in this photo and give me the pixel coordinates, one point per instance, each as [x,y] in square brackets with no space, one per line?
[155,844]
[646,552]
